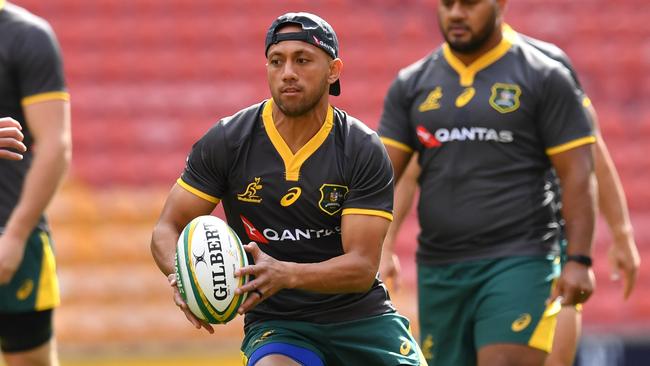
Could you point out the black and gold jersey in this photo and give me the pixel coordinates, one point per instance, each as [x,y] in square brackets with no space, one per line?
[484,134]
[31,71]
[291,204]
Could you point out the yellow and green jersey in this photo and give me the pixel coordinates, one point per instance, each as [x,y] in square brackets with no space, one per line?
[291,204]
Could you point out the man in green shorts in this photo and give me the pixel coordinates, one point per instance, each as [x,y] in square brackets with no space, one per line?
[32,95]
[489,117]
[317,217]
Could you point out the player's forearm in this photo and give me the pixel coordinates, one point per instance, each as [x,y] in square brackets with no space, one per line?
[404,193]
[611,198]
[51,161]
[579,212]
[347,273]
[163,246]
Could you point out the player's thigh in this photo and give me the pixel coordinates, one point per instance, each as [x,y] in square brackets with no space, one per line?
[22,333]
[288,339]
[381,340]
[276,360]
[512,306]
[43,355]
[446,305]
[34,285]
[567,336]
[510,355]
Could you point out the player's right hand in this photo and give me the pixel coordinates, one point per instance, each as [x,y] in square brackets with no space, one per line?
[575,285]
[12,251]
[390,270]
[11,138]
[178,300]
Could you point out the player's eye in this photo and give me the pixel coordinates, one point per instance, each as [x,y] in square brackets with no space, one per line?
[274,61]
[302,60]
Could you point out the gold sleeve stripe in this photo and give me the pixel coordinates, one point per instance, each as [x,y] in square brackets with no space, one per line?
[44,97]
[586,102]
[365,211]
[2,4]
[396,144]
[196,192]
[570,145]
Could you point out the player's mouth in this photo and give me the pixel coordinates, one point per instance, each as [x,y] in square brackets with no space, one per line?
[457,30]
[290,90]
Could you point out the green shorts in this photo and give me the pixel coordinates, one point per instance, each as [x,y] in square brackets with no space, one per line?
[466,306]
[379,340]
[34,286]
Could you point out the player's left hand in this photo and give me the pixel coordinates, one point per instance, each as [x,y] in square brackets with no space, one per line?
[269,276]
[624,258]
[575,285]
[12,250]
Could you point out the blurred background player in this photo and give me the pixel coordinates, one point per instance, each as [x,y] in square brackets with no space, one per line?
[32,92]
[324,184]
[11,139]
[489,116]
[623,253]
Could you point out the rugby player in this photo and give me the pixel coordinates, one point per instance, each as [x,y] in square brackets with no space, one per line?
[489,116]
[32,93]
[312,187]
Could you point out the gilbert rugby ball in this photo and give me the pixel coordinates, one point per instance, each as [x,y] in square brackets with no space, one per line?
[207,254]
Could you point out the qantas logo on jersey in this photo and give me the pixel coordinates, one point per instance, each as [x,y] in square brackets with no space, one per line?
[442,135]
[293,234]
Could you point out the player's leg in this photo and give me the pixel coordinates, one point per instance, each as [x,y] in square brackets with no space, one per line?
[514,326]
[276,360]
[510,355]
[446,305]
[26,335]
[26,339]
[381,340]
[567,335]
[279,343]
[43,355]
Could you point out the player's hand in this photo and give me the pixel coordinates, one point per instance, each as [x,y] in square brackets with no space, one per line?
[270,276]
[575,285]
[11,138]
[390,270]
[178,300]
[624,259]
[12,251]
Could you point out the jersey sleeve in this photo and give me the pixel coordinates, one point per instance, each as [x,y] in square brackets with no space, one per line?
[371,183]
[564,122]
[205,169]
[39,66]
[394,125]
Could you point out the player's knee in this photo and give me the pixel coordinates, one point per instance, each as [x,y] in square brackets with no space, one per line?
[276,360]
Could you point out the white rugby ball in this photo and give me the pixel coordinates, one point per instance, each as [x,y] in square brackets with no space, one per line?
[207,254]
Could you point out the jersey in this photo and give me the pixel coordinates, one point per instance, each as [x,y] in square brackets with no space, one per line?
[557,54]
[484,134]
[31,71]
[291,204]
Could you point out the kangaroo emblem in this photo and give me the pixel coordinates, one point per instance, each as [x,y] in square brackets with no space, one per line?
[250,194]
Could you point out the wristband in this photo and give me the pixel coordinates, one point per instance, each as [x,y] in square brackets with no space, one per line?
[582,259]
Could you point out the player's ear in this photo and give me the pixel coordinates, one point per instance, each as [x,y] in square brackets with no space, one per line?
[336,66]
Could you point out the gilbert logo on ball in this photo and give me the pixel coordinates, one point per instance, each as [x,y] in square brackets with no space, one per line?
[207,254]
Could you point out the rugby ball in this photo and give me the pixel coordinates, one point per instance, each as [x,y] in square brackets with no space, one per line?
[207,254]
